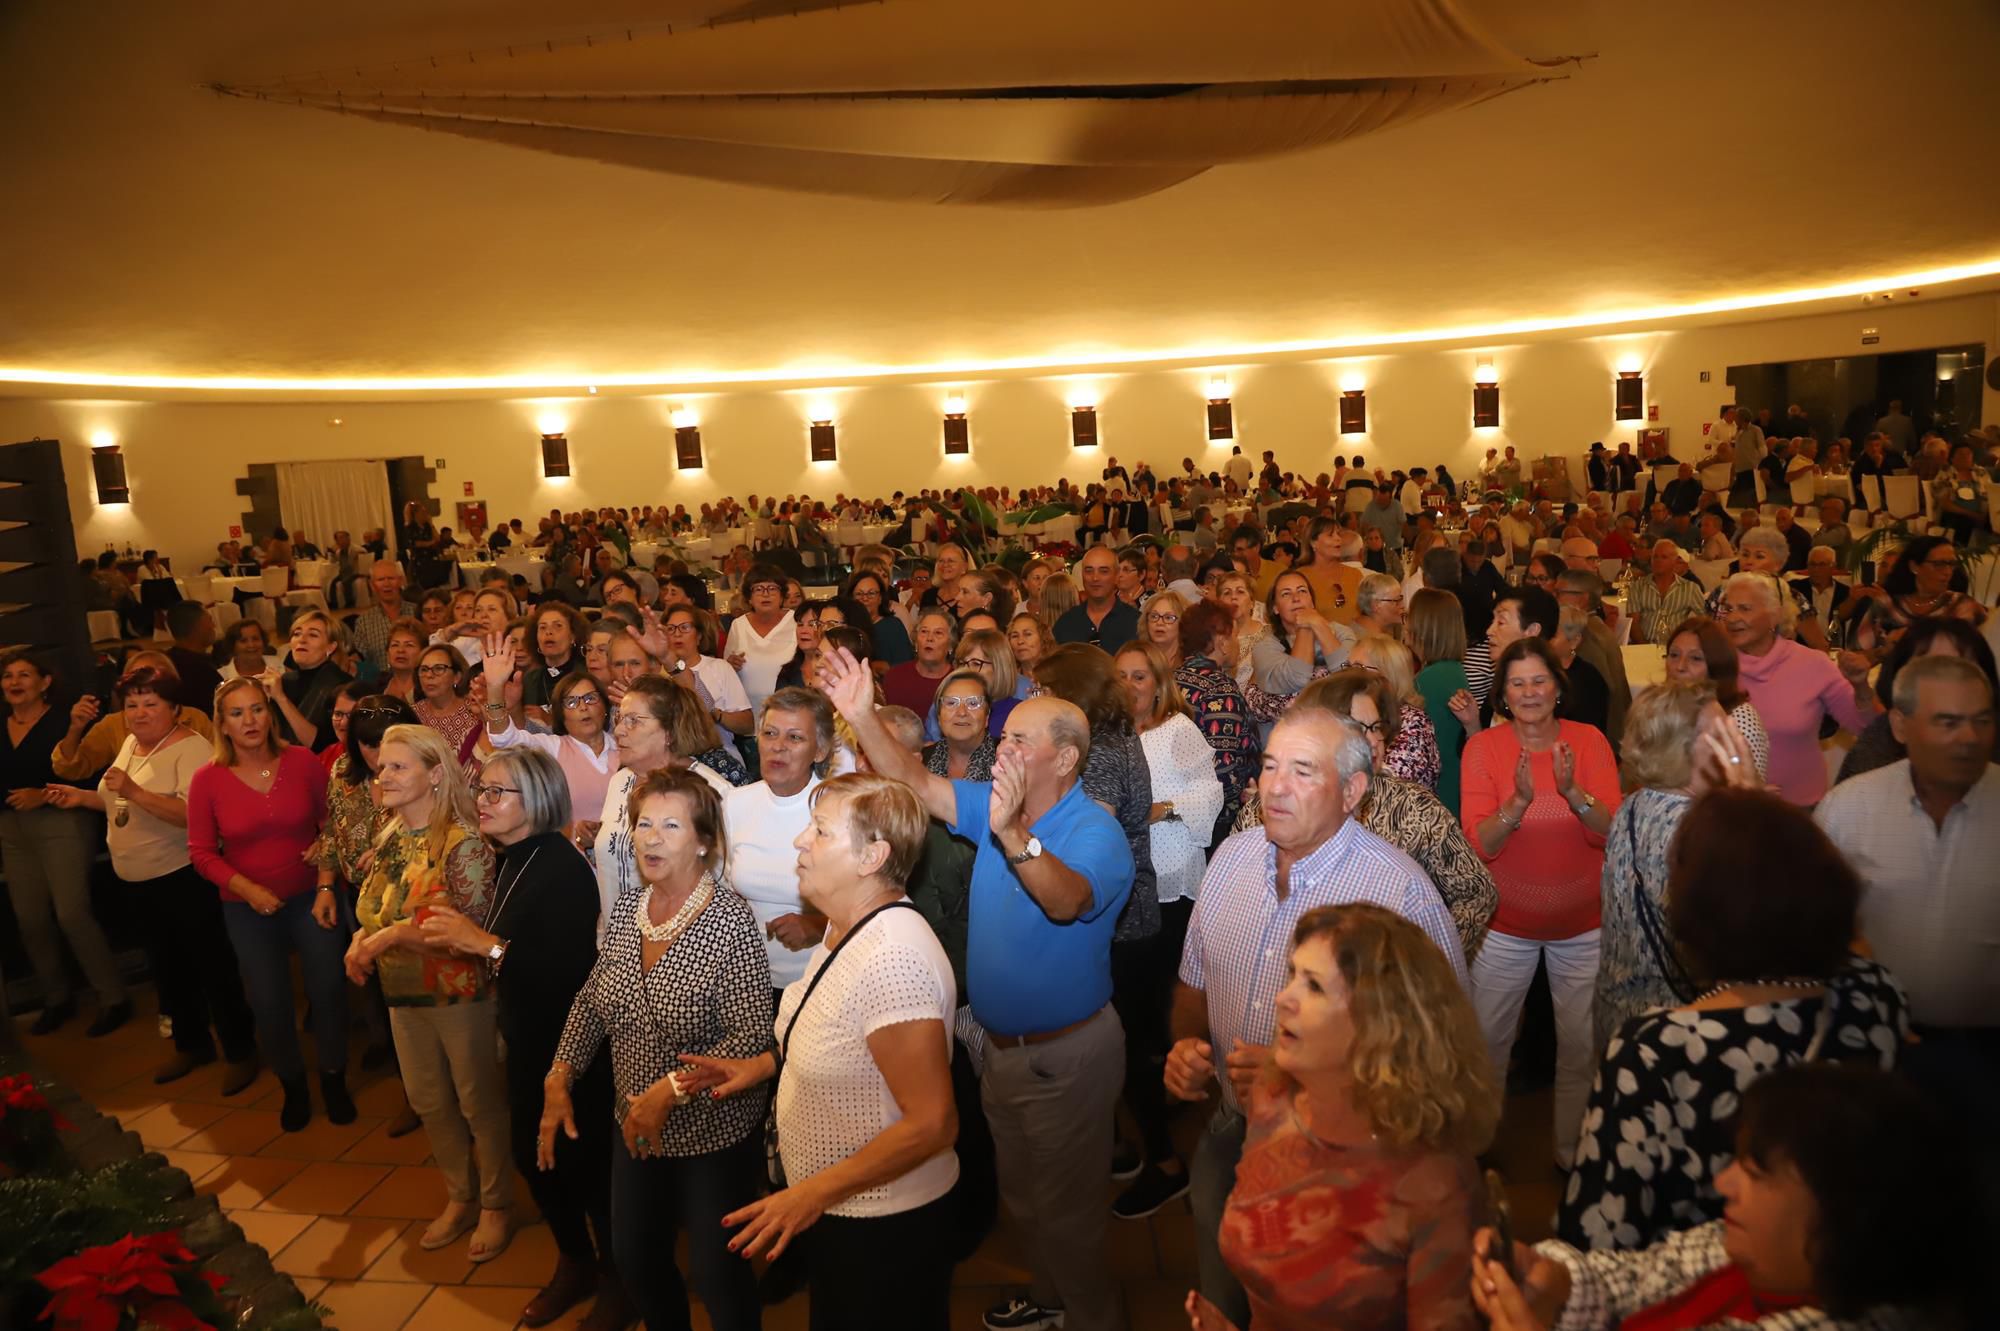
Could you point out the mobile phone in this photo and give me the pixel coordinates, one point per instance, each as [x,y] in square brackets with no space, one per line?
[1503,1224]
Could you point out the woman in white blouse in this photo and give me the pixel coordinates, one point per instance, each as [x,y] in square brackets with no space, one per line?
[794,742]
[863,1066]
[763,640]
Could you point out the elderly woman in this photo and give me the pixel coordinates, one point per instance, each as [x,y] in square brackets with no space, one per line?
[144,797]
[1539,793]
[1301,639]
[865,1115]
[682,1161]
[312,677]
[1031,640]
[1436,634]
[1377,1087]
[1765,923]
[1413,747]
[1878,746]
[556,634]
[1846,1205]
[581,744]
[443,705]
[986,651]
[253,815]
[1699,652]
[794,742]
[687,647]
[1678,744]
[1239,598]
[1765,550]
[966,750]
[914,683]
[1794,687]
[1378,608]
[980,590]
[1207,681]
[539,940]
[245,652]
[765,637]
[429,854]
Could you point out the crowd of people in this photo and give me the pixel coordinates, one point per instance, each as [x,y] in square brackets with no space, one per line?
[864,918]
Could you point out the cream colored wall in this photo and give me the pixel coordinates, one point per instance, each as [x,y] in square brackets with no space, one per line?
[183,458]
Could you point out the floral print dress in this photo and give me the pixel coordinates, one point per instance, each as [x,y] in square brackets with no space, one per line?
[405,877]
[1661,1124]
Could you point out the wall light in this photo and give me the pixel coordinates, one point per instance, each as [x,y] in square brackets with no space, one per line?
[1352,381]
[686,418]
[1485,397]
[1630,361]
[555,456]
[957,434]
[549,422]
[1353,411]
[108,464]
[687,447]
[1221,416]
[1631,396]
[821,442]
[1083,426]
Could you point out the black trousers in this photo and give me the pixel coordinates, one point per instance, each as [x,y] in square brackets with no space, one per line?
[887,1273]
[575,1196]
[1142,980]
[194,966]
[655,1200]
[975,1197]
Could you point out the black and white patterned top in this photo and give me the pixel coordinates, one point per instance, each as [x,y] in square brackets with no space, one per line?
[1661,1124]
[709,993]
[1116,776]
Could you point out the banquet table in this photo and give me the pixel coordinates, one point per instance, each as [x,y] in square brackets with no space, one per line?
[644,553]
[226,588]
[311,572]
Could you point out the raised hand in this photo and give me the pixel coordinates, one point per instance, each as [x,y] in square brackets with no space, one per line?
[848,684]
[497,662]
[1563,758]
[1465,707]
[84,714]
[1010,790]
[652,638]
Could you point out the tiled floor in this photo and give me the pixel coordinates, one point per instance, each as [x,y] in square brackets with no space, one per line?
[340,1208]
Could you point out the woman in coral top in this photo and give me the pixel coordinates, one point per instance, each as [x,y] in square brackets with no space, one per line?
[1537,797]
[1357,1191]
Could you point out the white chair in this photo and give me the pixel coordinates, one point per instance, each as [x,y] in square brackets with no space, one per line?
[1902,496]
[1609,569]
[199,587]
[1709,572]
[848,536]
[311,572]
[1804,487]
[103,625]
[277,581]
[1715,478]
[225,613]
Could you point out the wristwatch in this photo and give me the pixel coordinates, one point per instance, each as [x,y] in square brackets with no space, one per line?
[1030,851]
[497,953]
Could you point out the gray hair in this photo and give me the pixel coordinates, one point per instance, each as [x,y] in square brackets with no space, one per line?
[1768,539]
[1941,669]
[1570,622]
[810,701]
[1767,587]
[904,726]
[1070,729]
[1583,580]
[544,789]
[1352,753]
[1374,587]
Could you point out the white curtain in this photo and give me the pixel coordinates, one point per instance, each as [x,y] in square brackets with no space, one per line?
[320,498]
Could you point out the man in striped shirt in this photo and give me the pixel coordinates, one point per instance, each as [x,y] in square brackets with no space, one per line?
[1311,851]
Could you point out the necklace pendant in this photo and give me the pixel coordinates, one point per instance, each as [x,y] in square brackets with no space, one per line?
[124,814]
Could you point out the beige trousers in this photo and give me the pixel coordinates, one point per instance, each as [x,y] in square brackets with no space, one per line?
[450,1059]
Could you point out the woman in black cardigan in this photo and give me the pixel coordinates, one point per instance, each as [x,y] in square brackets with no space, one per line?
[540,937]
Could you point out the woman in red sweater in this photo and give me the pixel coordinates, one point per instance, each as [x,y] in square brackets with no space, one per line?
[252,815]
[1537,798]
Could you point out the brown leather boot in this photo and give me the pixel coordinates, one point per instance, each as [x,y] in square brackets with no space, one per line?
[566,1288]
[613,1310]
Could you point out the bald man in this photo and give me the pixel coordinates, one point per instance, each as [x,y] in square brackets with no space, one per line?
[1051,874]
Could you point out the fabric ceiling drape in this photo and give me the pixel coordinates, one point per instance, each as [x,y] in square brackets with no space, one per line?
[320,498]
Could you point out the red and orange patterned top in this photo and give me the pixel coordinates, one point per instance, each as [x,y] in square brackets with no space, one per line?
[403,880]
[1354,1238]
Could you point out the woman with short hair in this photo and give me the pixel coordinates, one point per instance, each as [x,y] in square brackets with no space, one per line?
[245,652]
[966,748]
[1699,652]
[765,636]
[1795,688]
[1031,640]
[862,1073]
[1766,924]
[556,634]
[876,597]
[986,651]
[795,740]
[1233,591]
[1160,622]
[406,643]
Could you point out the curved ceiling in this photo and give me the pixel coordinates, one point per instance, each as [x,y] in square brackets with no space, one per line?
[1709,149]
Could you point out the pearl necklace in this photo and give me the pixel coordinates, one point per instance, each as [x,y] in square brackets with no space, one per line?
[682,918]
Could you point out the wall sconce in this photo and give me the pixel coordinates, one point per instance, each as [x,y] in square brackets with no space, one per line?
[109,466]
[1354,411]
[1485,397]
[1221,417]
[555,456]
[957,434]
[1631,396]
[822,442]
[687,439]
[1083,426]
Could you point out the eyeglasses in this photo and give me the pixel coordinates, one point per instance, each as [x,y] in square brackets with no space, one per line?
[961,704]
[490,794]
[1939,563]
[683,627]
[1162,617]
[436,670]
[771,587]
[975,662]
[575,700]
[1368,727]
[627,720]
[359,712]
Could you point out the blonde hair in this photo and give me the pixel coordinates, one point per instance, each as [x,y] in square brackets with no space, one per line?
[1657,749]
[225,747]
[451,793]
[1058,597]
[1167,698]
[879,809]
[1435,625]
[1006,672]
[1419,1064]
[1393,662]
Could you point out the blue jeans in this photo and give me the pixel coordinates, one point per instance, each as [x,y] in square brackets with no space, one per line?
[654,1199]
[264,944]
[1211,1176]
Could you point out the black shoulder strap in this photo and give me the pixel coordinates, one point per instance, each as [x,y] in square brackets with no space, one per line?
[833,954]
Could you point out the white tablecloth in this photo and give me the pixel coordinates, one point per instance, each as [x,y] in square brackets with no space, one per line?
[311,572]
[644,553]
[874,533]
[225,589]
[524,566]
[1645,665]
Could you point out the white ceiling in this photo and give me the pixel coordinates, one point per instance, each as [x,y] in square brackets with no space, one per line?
[1711,148]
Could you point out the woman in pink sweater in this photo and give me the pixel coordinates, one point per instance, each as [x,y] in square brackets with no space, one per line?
[1536,800]
[1794,687]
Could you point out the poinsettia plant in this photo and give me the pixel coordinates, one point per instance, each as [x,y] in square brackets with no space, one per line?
[147,1281]
[28,1127]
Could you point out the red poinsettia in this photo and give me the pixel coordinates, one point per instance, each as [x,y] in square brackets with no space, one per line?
[27,1127]
[138,1281]
[20,1095]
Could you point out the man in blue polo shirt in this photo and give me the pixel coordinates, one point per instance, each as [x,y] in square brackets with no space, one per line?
[1052,872]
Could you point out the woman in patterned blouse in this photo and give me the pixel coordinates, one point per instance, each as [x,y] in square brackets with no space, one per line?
[1413,750]
[1765,921]
[682,970]
[430,853]
[442,678]
[1207,679]
[1357,1192]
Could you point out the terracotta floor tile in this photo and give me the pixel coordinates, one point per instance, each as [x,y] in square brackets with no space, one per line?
[205,1084]
[310,1288]
[326,1188]
[472,1308]
[336,1247]
[172,1123]
[379,1148]
[370,1305]
[239,1132]
[248,1180]
[270,1230]
[319,1139]
[197,1165]
[379,1097]
[409,1192]
[130,1099]
[406,1260]
[530,1259]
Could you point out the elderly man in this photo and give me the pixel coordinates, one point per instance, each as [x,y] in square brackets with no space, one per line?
[1833,533]
[1178,570]
[1584,590]
[1764,550]
[1051,873]
[1311,851]
[370,631]
[1662,600]
[1820,592]
[1101,618]
[1798,541]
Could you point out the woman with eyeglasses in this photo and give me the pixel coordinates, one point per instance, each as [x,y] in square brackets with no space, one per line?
[986,651]
[871,591]
[1160,625]
[764,637]
[965,749]
[539,939]
[686,649]
[443,704]
[1919,587]
[581,744]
